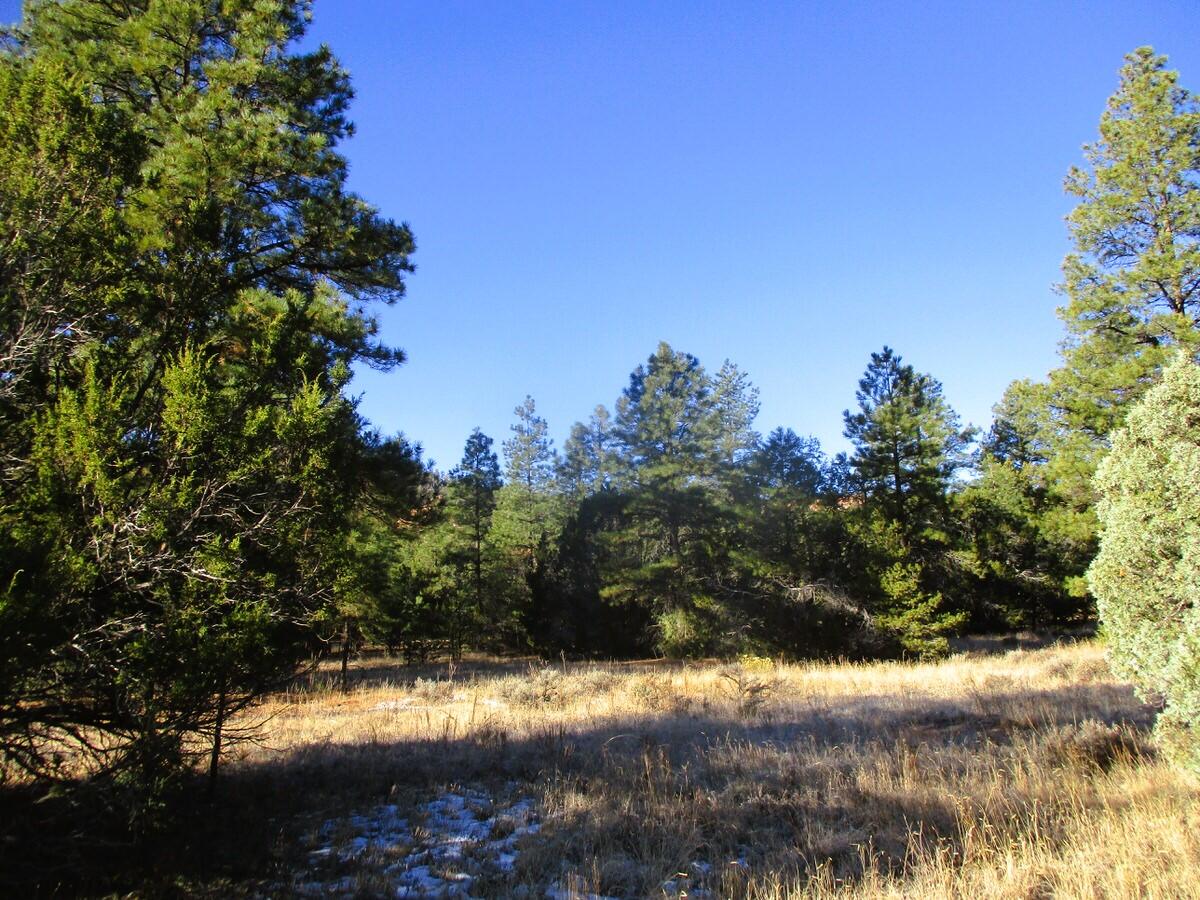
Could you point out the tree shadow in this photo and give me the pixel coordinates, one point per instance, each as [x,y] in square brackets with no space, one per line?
[1035,639]
[376,668]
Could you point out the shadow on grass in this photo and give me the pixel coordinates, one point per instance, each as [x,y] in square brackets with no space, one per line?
[1039,639]
[377,669]
[782,790]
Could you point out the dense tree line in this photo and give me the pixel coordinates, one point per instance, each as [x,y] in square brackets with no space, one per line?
[671,526]
[191,507]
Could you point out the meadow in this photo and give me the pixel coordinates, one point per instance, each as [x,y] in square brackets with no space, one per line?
[1015,768]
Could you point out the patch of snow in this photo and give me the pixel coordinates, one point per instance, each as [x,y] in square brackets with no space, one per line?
[573,888]
[696,882]
[558,892]
[420,881]
[449,843]
[687,884]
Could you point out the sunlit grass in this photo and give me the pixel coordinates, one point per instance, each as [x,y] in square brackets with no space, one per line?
[1021,774]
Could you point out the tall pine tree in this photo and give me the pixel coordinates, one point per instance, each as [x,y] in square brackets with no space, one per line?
[1131,287]
[527,521]
[591,462]
[471,503]
[1133,282]
[665,556]
[908,445]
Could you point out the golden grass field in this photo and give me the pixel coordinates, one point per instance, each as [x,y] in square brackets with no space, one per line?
[996,773]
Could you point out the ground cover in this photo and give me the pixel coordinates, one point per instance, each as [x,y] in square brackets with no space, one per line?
[1003,771]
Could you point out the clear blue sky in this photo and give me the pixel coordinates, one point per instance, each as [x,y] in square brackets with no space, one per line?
[787,185]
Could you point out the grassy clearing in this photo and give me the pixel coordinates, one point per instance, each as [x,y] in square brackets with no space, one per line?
[1024,773]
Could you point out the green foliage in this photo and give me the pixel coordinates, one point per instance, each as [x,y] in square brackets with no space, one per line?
[168,589]
[1131,300]
[1131,284]
[470,503]
[915,617]
[735,407]
[529,456]
[527,523]
[66,164]
[184,284]
[908,444]
[997,515]
[590,461]
[786,461]
[430,585]
[1146,578]
[1027,518]
[668,425]
[578,618]
[693,537]
[667,422]
[692,632]
[371,597]
[899,586]
[687,535]
[527,509]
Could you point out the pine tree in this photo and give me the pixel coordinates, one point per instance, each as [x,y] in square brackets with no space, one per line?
[368,602]
[527,519]
[529,457]
[472,501]
[1131,288]
[735,405]
[665,555]
[786,476]
[1133,283]
[667,430]
[185,288]
[908,444]
[590,456]
[786,460]
[666,421]
[1027,518]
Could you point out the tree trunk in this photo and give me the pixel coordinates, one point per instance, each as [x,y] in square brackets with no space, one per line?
[345,655]
[215,759]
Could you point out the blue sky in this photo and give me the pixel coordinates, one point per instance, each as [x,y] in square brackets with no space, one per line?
[787,185]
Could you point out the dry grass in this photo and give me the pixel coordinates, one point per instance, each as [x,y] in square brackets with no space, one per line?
[1021,774]
[997,773]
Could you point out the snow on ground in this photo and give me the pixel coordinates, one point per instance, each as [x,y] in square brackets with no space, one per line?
[447,846]
[461,844]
